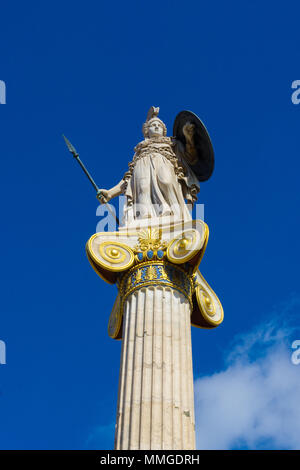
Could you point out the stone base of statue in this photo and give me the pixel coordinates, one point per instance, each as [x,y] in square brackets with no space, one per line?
[161,294]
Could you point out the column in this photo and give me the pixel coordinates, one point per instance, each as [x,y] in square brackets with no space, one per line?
[156,399]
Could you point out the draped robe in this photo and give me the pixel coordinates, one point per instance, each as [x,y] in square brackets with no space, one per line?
[158,182]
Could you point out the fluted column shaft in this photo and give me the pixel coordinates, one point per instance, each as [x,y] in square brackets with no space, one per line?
[156,398]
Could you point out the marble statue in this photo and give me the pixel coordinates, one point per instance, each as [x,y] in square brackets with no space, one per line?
[159,181]
[161,291]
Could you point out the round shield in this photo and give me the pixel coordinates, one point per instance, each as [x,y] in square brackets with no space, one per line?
[204,164]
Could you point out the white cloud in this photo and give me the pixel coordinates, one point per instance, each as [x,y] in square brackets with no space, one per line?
[254,402]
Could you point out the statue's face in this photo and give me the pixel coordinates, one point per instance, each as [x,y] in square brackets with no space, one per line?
[155,129]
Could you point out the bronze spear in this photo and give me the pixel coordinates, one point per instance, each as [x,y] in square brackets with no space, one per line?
[76,156]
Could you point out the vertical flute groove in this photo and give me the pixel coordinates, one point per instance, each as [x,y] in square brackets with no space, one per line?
[156,418]
[122,414]
[129,373]
[136,395]
[145,437]
[177,432]
[191,381]
[121,390]
[185,412]
[167,420]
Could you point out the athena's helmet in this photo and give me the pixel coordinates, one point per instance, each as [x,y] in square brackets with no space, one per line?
[153,116]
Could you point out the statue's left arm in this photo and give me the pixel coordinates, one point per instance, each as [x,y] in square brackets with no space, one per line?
[187,154]
[190,149]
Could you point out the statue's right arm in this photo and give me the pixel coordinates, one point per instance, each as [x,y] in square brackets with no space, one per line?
[107,195]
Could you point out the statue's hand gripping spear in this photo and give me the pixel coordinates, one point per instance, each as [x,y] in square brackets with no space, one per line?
[99,195]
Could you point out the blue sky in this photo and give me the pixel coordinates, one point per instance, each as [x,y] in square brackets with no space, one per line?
[91,71]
